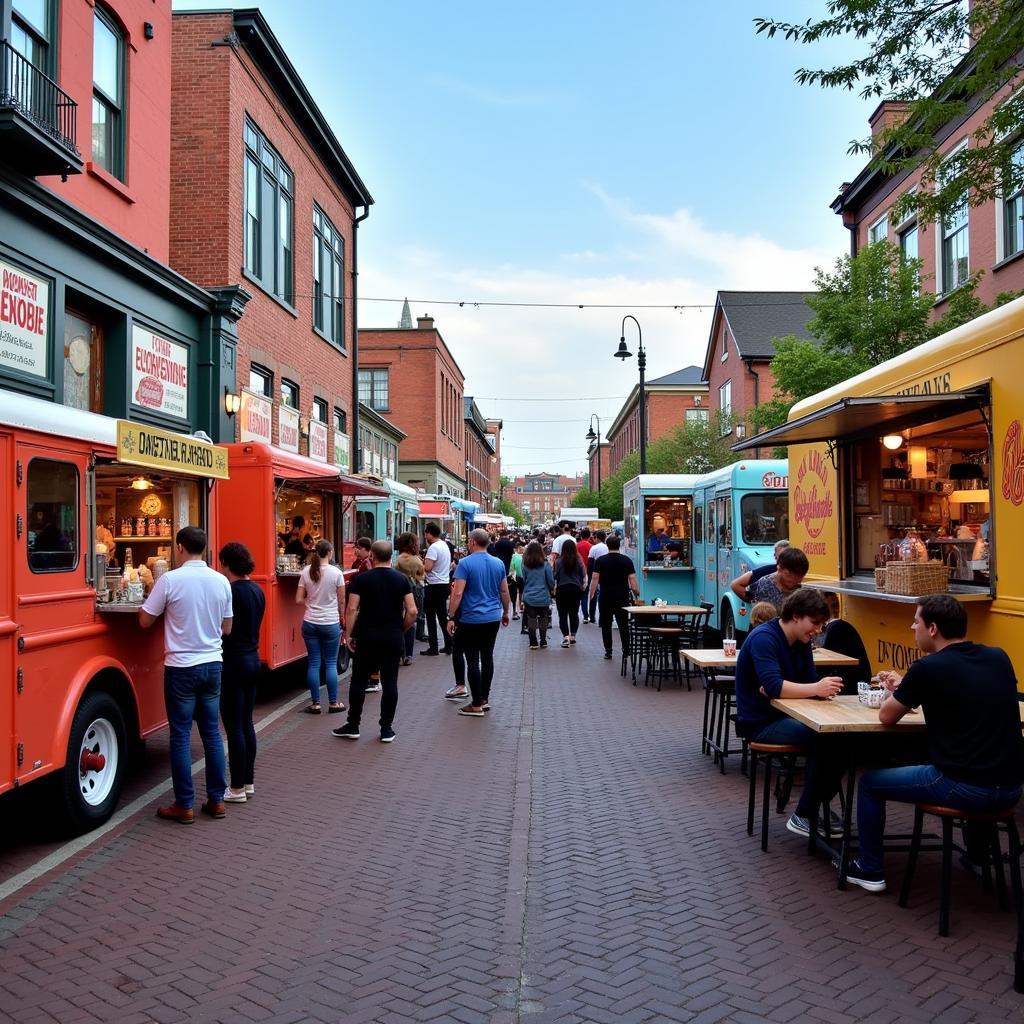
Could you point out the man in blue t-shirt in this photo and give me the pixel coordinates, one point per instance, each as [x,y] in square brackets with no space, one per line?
[776,660]
[480,599]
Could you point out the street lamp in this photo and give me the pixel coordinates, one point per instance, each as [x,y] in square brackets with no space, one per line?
[623,353]
[591,437]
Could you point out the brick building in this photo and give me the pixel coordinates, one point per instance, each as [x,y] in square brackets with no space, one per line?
[494,427]
[263,189]
[988,237]
[741,346]
[673,399]
[85,167]
[410,376]
[481,458]
[541,496]
[598,463]
[379,443]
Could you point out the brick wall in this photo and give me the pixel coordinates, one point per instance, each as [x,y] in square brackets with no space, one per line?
[666,410]
[735,370]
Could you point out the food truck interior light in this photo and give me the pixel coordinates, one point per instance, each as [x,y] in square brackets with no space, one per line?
[140,483]
[918,462]
[979,497]
[893,441]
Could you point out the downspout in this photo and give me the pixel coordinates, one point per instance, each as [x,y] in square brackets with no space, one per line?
[757,394]
[357,452]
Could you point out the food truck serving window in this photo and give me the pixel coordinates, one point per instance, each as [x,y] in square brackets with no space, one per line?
[52,516]
[300,520]
[765,518]
[667,531]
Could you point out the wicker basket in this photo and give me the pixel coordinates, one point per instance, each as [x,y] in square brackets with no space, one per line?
[880,580]
[916,578]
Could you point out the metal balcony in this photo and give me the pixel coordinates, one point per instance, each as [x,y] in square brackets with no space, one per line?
[37,119]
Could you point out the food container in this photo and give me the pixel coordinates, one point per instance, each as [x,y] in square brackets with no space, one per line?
[872,696]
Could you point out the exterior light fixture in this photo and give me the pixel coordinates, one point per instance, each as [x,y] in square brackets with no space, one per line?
[893,441]
[232,402]
[140,483]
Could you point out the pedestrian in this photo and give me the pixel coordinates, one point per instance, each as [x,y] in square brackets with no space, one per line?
[583,546]
[480,600]
[538,589]
[763,611]
[515,578]
[380,610]
[437,565]
[742,584]
[564,534]
[195,602]
[598,549]
[322,590]
[569,573]
[615,575]
[362,560]
[241,670]
[410,563]
[791,568]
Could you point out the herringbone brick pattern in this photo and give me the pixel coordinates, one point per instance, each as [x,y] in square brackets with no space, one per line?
[570,858]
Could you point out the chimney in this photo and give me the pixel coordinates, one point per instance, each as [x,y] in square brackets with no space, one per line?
[887,113]
[425,322]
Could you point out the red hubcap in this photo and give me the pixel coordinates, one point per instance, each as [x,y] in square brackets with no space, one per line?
[92,762]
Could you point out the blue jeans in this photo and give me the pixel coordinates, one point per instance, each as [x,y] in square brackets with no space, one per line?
[194,693]
[919,783]
[322,643]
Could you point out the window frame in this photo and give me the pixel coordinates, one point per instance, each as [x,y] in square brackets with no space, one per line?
[115,106]
[370,401]
[944,236]
[76,548]
[289,386]
[725,389]
[266,377]
[1004,208]
[873,232]
[45,38]
[697,415]
[340,421]
[318,411]
[328,261]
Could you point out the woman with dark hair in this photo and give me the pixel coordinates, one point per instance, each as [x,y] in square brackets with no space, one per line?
[322,590]
[569,573]
[241,670]
[538,586]
[410,563]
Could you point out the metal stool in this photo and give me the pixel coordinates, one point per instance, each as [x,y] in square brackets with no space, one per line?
[993,819]
[767,753]
[663,659]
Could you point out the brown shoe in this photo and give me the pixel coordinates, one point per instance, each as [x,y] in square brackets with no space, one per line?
[182,815]
[215,809]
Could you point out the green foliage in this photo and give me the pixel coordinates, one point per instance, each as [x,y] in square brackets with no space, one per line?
[962,306]
[919,52]
[802,368]
[506,508]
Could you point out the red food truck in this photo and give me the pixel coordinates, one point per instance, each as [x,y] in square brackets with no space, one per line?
[89,507]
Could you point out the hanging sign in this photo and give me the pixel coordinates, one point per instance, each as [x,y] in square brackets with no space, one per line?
[341,451]
[159,373]
[317,440]
[288,428]
[139,445]
[255,418]
[24,320]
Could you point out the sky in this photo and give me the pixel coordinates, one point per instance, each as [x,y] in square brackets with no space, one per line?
[574,153]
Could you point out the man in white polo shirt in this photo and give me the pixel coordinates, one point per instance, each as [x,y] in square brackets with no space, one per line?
[196,604]
[438,564]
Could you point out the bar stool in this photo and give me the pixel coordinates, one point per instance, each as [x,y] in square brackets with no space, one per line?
[663,658]
[782,755]
[639,644]
[993,819]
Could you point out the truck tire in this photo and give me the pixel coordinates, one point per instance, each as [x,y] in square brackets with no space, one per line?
[727,619]
[90,784]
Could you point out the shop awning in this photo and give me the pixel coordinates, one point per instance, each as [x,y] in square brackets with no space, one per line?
[854,418]
[335,483]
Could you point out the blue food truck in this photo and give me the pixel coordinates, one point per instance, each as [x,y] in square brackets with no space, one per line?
[739,512]
[384,518]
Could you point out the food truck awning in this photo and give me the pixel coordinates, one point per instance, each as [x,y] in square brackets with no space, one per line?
[290,468]
[851,419]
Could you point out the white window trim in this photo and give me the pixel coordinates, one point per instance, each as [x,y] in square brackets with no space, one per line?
[940,285]
[1000,211]
[871,227]
[910,217]
[725,345]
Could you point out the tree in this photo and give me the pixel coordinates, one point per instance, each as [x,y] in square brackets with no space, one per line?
[940,58]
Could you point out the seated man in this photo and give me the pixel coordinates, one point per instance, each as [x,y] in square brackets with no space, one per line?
[777,661]
[969,695]
[658,542]
[789,574]
[742,584]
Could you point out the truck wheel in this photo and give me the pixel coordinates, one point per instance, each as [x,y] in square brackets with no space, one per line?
[95,767]
[727,620]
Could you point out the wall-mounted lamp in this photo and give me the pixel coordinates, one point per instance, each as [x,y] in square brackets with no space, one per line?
[893,441]
[140,483]
[232,402]
[147,29]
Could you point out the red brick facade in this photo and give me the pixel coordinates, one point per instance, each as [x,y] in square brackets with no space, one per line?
[218,84]
[599,472]
[426,388]
[494,430]
[541,496]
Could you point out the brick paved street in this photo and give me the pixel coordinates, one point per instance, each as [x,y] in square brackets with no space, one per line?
[571,858]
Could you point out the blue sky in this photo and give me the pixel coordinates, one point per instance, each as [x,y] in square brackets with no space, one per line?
[573,152]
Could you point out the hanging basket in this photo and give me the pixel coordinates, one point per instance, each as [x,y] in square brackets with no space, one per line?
[915,579]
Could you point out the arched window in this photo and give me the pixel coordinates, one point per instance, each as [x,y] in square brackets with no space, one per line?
[108,89]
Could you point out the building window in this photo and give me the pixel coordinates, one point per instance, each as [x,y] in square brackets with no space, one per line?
[697,416]
[108,76]
[725,406]
[879,231]
[373,389]
[32,35]
[319,410]
[340,421]
[289,394]
[269,208]
[328,278]
[955,262]
[1013,209]
[725,345]
[261,381]
[908,243]
[52,516]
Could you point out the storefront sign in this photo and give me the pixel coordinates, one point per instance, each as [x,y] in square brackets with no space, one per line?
[341,451]
[159,373]
[812,500]
[1013,464]
[434,508]
[139,445]
[255,418]
[317,440]
[24,320]
[774,480]
[288,428]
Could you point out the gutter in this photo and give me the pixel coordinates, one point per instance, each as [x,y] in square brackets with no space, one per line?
[757,394]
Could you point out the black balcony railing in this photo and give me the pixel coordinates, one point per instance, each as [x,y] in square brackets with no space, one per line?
[25,89]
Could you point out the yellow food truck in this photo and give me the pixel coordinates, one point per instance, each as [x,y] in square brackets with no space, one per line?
[909,479]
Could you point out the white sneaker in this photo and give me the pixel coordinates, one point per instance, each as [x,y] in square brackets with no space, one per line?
[565,642]
[234,796]
[250,790]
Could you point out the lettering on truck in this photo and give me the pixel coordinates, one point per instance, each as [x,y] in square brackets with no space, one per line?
[184,453]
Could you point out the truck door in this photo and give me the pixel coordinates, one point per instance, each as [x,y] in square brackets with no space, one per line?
[8,619]
[724,543]
[54,602]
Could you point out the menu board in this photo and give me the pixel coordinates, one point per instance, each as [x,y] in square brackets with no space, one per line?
[159,373]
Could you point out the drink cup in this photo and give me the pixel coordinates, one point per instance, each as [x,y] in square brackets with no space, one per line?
[729,647]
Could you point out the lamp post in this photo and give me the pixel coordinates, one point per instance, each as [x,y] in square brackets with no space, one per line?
[591,437]
[623,353]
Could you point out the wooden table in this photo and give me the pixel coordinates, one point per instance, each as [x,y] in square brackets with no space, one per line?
[665,609]
[715,657]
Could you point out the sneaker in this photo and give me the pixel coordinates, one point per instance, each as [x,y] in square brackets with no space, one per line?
[799,826]
[486,705]
[346,732]
[871,881]
[373,688]
[428,653]
[234,796]
[534,647]
[607,655]
[586,622]
[515,618]
[387,734]
[572,641]
[456,693]
[543,644]
[250,790]
[565,642]
[835,823]
[472,711]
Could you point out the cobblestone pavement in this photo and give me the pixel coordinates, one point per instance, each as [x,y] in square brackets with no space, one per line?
[572,857]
